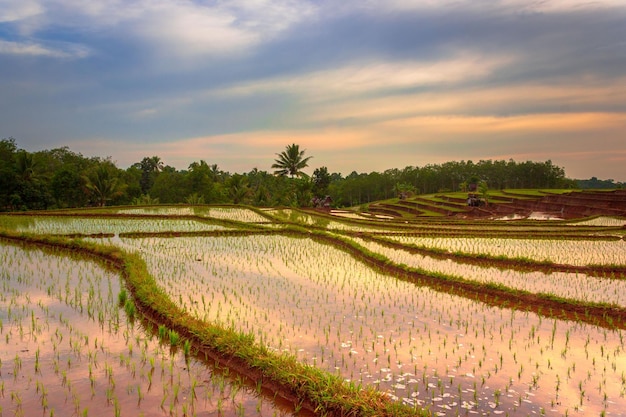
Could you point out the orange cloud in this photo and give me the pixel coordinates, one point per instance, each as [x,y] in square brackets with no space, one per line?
[488,101]
[532,123]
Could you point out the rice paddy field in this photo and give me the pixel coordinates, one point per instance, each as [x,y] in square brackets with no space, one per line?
[232,311]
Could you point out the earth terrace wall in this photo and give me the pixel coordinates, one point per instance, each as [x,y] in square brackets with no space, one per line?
[575,204]
[565,208]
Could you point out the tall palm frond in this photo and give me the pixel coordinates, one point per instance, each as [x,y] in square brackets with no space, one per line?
[291,161]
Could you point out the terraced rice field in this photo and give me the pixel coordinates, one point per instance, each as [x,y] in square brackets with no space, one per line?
[69,347]
[515,333]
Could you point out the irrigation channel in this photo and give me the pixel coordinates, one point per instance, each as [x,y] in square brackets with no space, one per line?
[475,322]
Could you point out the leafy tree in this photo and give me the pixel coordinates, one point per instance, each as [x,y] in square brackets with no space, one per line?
[145,200]
[595,183]
[200,177]
[103,182]
[215,173]
[68,188]
[31,190]
[291,162]
[404,188]
[25,165]
[262,185]
[301,192]
[149,167]
[194,199]
[483,189]
[132,178]
[171,186]
[238,189]
[321,180]
[7,172]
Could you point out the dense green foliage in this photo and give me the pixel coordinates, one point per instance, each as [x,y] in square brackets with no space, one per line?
[61,178]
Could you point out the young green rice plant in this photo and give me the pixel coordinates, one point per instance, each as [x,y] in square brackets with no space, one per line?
[52,225]
[62,350]
[559,284]
[122,297]
[173,337]
[162,332]
[129,307]
[560,251]
[256,294]
[187,348]
[239,283]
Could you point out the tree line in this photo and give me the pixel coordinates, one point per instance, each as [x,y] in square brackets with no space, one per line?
[61,178]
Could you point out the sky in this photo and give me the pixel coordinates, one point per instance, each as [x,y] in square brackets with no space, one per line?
[361,85]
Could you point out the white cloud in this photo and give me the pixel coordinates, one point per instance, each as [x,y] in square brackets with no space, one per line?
[169,27]
[16,10]
[188,30]
[24,15]
[37,49]
[544,6]
[191,29]
[562,5]
[377,76]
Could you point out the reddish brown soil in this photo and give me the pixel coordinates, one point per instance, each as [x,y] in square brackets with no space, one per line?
[568,206]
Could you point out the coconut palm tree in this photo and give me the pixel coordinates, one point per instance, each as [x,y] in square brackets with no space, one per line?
[25,165]
[150,168]
[238,188]
[104,184]
[291,161]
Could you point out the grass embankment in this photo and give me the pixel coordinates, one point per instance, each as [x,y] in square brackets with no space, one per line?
[307,387]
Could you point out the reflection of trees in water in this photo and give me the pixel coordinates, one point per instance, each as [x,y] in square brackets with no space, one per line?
[17,222]
[295,216]
[298,217]
[321,221]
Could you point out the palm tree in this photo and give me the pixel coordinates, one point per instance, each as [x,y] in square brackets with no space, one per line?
[238,188]
[291,161]
[150,168]
[145,200]
[25,165]
[483,189]
[104,183]
[194,199]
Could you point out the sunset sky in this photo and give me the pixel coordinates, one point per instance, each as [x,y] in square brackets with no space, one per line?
[362,85]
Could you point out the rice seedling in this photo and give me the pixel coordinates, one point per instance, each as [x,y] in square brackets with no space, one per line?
[61,366]
[343,308]
[320,305]
[573,286]
[560,251]
[56,225]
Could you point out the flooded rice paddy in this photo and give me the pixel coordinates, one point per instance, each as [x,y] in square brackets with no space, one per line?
[67,348]
[560,251]
[575,286]
[425,348]
[88,226]
[70,345]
